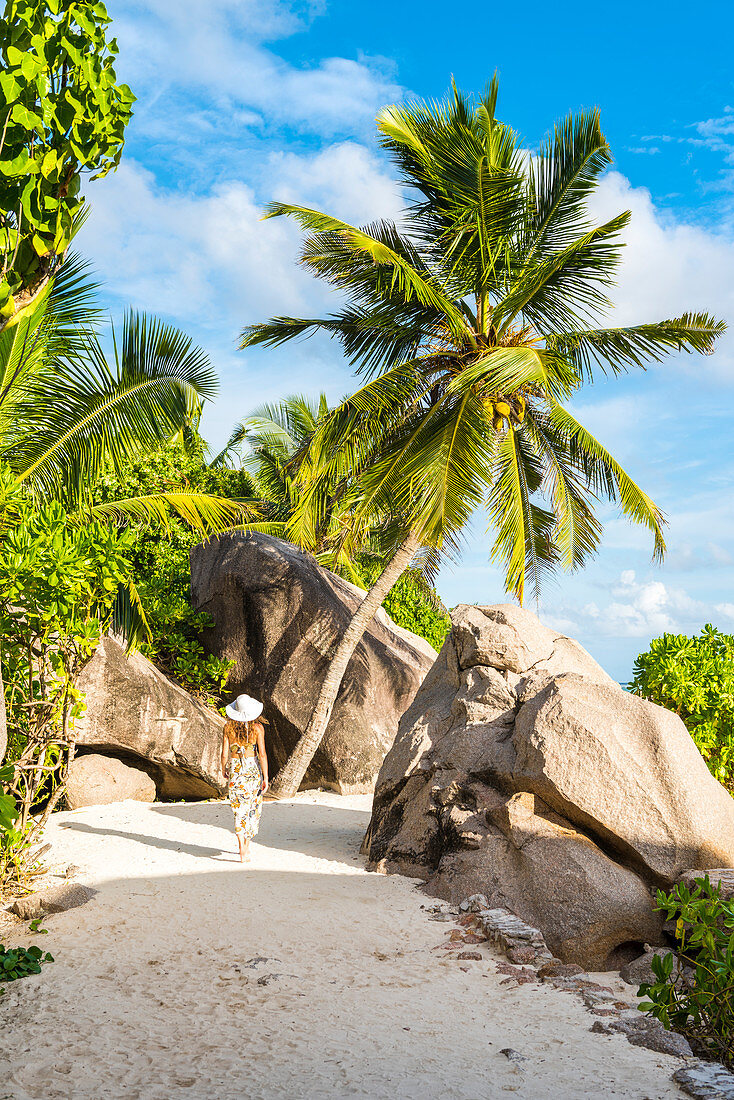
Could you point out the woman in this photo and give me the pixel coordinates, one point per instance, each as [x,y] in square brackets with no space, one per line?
[243,751]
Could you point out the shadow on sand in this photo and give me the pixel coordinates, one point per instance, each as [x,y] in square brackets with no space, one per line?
[323,832]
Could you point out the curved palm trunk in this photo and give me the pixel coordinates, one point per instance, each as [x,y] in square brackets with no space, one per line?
[290,776]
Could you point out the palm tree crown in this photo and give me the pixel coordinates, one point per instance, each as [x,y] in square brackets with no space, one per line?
[475,320]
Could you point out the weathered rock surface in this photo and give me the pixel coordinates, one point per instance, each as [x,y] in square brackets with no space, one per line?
[523,772]
[54,899]
[137,714]
[706,1081]
[643,1031]
[723,877]
[95,780]
[278,615]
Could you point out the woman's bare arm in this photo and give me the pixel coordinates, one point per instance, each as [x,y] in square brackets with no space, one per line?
[225,753]
[263,755]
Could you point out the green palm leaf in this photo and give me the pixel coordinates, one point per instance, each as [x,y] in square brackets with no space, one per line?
[604,474]
[379,247]
[621,348]
[201,511]
[79,412]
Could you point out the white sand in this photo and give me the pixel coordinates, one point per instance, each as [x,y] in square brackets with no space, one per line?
[152,995]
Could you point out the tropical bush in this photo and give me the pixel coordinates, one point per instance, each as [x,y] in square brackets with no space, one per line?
[413,604]
[694,988]
[695,678]
[160,566]
[58,587]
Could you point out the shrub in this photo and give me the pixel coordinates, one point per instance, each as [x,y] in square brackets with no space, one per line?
[695,678]
[58,584]
[160,561]
[694,990]
[162,573]
[412,605]
[19,962]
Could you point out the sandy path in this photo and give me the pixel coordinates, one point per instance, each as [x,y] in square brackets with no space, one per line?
[299,976]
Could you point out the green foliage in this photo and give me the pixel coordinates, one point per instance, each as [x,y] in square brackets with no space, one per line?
[19,962]
[62,115]
[695,678]
[160,564]
[694,989]
[280,461]
[58,587]
[412,604]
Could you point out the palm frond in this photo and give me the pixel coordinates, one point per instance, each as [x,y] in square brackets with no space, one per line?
[605,475]
[561,177]
[618,349]
[381,244]
[524,543]
[129,621]
[78,413]
[201,511]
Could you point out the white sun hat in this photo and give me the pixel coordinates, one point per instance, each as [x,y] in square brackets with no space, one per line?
[244,709]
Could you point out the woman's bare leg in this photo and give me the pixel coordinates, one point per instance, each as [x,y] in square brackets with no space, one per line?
[244,848]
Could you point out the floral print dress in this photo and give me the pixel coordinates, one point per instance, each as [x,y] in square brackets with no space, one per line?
[245,792]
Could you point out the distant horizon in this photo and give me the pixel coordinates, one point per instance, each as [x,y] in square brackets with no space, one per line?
[238,105]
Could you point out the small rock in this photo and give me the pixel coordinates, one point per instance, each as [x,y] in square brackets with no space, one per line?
[520,974]
[266,979]
[257,960]
[647,1032]
[474,955]
[557,969]
[521,954]
[723,877]
[55,900]
[706,1081]
[640,969]
[513,1055]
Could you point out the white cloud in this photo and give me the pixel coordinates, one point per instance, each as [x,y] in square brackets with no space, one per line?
[210,259]
[345,178]
[217,50]
[726,609]
[669,267]
[638,609]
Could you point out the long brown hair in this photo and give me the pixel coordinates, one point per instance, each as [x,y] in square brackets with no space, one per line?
[241,733]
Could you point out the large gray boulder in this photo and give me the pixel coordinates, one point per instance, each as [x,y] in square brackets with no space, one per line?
[96,780]
[136,713]
[278,615]
[522,771]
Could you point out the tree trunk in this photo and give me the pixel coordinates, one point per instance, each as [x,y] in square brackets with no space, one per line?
[290,776]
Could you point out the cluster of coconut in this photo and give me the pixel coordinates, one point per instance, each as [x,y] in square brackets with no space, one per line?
[507,408]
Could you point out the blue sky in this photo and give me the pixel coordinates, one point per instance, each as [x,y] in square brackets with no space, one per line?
[242,101]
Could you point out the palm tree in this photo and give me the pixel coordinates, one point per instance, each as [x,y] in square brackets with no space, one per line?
[476,320]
